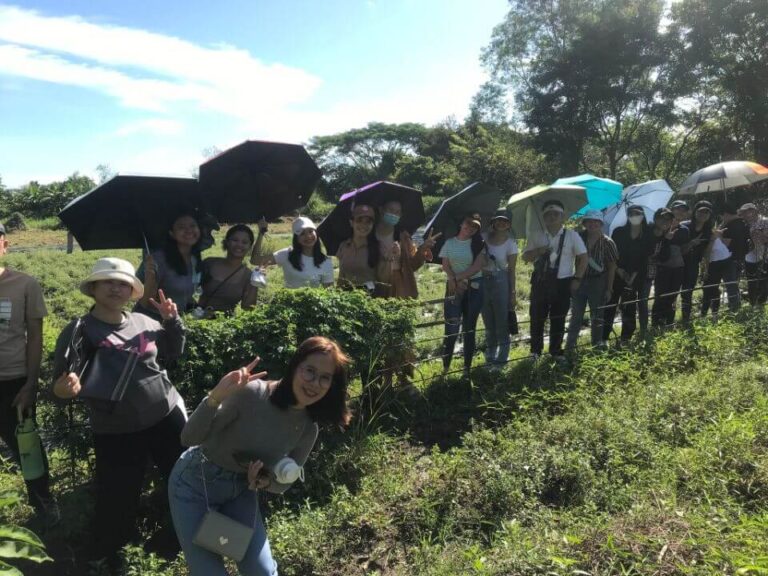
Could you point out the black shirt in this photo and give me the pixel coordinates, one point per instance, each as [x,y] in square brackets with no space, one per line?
[695,254]
[737,232]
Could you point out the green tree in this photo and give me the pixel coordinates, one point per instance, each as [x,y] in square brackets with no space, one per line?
[722,48]
[44,200]
[585,75]
[356,157]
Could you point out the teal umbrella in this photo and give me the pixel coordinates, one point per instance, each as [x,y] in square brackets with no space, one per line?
[601,192]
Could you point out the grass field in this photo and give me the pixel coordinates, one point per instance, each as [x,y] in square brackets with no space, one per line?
[647,461]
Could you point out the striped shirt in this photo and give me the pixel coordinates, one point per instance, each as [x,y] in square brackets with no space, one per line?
[459,255]
[600,254]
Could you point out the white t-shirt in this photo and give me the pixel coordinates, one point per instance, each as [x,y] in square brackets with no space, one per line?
[500,254]
[310,276]
[572,246]
[719,251]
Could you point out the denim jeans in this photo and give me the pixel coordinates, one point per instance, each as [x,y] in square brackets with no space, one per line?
[725,271]
[495,316]
[462,312]
[228,493]
[591,290]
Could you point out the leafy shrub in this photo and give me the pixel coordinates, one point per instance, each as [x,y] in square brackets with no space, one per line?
[366,328]
[18,543]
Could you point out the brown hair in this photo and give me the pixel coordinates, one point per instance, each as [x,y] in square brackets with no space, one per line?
[331,408]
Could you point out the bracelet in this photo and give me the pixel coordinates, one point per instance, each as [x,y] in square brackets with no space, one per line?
[212,401]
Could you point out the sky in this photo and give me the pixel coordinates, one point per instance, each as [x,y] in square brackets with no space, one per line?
[147,86]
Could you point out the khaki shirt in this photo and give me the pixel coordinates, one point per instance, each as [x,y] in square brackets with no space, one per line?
[21,300]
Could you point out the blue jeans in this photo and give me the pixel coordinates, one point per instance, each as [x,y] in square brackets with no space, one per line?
[228,493]
[462,312]
[495,316]
[591,290]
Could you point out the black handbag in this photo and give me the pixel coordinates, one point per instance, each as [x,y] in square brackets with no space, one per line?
[104,373]
[544,277]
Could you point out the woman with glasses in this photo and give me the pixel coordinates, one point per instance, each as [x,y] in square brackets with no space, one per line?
[499,295]
[239,433]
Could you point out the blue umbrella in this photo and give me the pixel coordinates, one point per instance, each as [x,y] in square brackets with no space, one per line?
[601,192]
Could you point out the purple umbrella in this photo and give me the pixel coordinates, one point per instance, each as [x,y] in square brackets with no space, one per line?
[335,228]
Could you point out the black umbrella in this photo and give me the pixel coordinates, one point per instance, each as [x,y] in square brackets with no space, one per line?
[129,211]
[335,227]
[258,179]
[476,198]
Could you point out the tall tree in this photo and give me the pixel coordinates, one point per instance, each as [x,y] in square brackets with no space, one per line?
[356,157]
[584,73]
[722,47]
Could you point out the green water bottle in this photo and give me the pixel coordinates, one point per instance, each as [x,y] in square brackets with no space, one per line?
[30,447]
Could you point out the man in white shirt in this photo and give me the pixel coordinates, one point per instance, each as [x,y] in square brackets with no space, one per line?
[556,252]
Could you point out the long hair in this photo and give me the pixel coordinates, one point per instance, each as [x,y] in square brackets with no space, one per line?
[233,230]
[294,254]
[374,250]
[331,408]
[171,249]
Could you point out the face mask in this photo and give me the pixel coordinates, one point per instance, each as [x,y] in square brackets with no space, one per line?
[391,219]
[635,220]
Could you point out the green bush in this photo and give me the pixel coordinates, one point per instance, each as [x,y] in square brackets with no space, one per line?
[367,329]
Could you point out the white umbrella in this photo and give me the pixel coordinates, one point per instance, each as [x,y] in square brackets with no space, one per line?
[650,195]
[723,176]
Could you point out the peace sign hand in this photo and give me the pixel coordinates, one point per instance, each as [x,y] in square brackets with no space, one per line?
[236,380]
[431,240]
[166,306]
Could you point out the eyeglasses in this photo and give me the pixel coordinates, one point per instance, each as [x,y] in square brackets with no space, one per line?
[309,374]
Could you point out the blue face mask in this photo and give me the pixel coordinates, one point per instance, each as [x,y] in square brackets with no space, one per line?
[391,219]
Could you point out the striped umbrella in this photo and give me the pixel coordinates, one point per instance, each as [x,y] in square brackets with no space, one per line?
[723,176]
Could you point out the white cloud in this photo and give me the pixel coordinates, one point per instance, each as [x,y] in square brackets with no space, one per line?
[154,126]
[144,69]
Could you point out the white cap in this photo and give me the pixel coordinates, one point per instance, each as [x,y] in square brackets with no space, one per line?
[113,269]
[593,215]
[302,223]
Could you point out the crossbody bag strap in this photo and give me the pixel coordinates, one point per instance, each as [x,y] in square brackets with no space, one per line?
[560,250]
[205,492]
[209,296]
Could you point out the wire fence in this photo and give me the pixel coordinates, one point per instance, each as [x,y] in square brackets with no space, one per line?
[78,426]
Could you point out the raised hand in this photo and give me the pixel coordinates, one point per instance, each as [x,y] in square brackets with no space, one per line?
[235,380]
[67,385]
[431,240]
[263,226]
[166,306]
